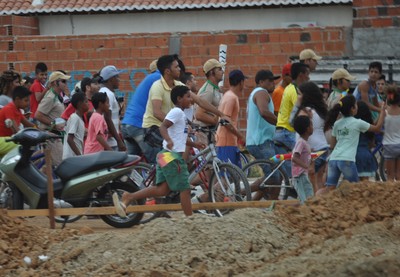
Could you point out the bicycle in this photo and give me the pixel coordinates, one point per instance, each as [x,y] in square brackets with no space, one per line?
[270,178]
[226,183]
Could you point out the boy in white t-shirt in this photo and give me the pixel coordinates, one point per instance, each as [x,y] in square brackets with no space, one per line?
[171,171]
[75,128]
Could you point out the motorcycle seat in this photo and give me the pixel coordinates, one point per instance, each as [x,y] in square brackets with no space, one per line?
[80,165]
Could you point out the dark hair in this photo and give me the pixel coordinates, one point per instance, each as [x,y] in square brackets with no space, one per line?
[20,92]
[393,94]
[344,106]
[301,123]
[165,62]
[298,68]
[383,77]
[364,113]
[28,80]
[313,98]
[76,98]
[6,80]
[178,91]
[85,82]
[261,76]
[40,67]
[180,63]
[185,77]
[377,65]
[99,97]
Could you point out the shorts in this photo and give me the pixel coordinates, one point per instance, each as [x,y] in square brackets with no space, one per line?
[229,154]
[391,151]
[175,173]
[303,187]
[321,160]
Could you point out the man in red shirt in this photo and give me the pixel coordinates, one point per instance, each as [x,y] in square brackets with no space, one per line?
[38,87]
[11,116]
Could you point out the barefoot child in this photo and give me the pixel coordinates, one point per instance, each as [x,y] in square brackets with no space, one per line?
[75,128]
[171,171]
[345,136]
[301,158]
[96,140]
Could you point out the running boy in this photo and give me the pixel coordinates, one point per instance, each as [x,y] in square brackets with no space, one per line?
[96,140]
[11,116]
[301,158]
[75,128]
[171,171]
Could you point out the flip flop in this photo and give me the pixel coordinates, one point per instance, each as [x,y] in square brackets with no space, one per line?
[120,207]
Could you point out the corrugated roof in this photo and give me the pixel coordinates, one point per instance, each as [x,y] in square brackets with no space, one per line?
[21,7]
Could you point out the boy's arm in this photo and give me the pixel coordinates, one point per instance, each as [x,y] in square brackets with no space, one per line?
[71,143]
[164,133]
[236,132]
[27,123]
[103,142]
[296,159]
[113,130]
[198,145]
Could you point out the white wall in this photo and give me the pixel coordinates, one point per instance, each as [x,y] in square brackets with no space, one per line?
[190,21]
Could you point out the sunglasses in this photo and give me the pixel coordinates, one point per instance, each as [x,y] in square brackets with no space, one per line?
[63,81]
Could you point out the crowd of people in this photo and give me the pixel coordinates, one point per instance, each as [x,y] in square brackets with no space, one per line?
[293,115]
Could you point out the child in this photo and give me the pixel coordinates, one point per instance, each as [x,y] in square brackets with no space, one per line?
[171,170]
[345,135]
[391,136]
[11,116]
[75,128]
[301,158]
[96,140]
[365,161]
[38,87]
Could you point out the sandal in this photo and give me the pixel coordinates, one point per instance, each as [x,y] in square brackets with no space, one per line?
[120,207]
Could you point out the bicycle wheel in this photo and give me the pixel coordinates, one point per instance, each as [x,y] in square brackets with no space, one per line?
[143,176]
[243,161]
[268,180]
[228,184]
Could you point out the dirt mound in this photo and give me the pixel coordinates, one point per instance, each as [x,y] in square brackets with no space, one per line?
[17,240]
[353,231]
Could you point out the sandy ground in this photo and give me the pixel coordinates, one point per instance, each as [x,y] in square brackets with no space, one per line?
[354,231]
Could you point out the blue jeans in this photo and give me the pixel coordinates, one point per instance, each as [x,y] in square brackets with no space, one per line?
[134,139]
[287,138]
[347,168]
[263,151]
[303,187]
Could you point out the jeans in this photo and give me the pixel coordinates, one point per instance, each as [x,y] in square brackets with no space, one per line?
[264,151]
[347,168]
[289,140]
[134,139]
[303,187]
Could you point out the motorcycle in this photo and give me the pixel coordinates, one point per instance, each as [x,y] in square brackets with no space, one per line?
[82,181]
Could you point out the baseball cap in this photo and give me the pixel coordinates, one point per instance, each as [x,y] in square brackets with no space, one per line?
[309,54]
[237,75]
[265,75]
[57,75]
[109,71]
[286,69]
[210,64]
[153,66]
[342,73]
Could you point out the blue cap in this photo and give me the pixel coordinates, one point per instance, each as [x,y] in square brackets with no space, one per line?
[109,71]
[237,75]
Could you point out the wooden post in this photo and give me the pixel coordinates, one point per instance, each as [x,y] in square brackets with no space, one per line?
[50,188]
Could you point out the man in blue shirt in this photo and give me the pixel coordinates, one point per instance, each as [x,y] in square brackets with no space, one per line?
[133,119]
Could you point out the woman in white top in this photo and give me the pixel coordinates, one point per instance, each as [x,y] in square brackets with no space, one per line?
[391,137]
[312,103]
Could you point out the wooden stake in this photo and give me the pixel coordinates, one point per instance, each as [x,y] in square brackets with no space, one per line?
[50,188]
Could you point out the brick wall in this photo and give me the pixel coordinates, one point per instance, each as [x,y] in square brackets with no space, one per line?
[247,50]
[376,13]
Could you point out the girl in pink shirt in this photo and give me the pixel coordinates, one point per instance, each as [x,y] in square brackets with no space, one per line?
[96,140]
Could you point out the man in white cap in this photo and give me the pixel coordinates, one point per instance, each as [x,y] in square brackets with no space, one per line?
[50,108]
[212,94]
[309,57]
[110,76]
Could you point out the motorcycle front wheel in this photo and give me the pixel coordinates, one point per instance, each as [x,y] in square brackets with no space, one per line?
[105,199]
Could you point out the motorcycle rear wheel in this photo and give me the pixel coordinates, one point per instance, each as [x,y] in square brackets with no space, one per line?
[105,194]
[10,197]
